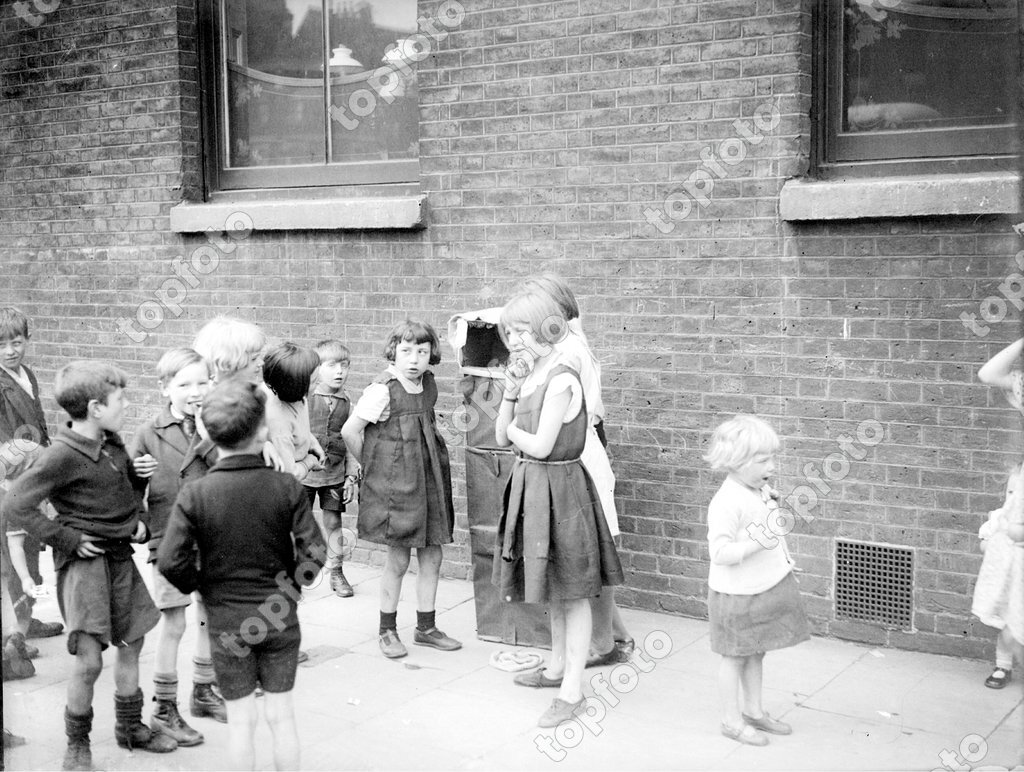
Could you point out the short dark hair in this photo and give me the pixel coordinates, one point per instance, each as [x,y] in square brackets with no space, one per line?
[232,412]
[12,323]
[287,370]
[78,383]
[415,332]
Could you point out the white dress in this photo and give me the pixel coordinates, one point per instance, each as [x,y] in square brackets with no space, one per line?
[999,591]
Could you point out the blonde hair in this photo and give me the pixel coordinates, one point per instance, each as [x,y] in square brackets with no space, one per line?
[558,290]
[229,344]
[738,440]
[174,361]
[539,312]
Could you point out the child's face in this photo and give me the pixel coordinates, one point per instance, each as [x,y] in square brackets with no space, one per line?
[521,340]
[110,416]
[253,371]
[12,351]
[186,389]
[332,374]
[756,472]
[412,359]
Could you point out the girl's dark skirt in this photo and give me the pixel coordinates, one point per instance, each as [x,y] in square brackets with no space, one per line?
[742,625]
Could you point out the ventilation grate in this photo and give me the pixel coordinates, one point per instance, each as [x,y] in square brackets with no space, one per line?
[875,583]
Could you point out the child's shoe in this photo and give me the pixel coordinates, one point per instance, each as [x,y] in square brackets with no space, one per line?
[207,703]
[167,720]
[1000,677]
[339,584]
[390,645]
[78,756]
[37,629]
[131,733]
[435,639]
[16,662]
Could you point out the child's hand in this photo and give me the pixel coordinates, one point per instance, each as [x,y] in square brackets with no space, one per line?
[87,547]
[141,533]
[271,457]
[144,466]
[348,490]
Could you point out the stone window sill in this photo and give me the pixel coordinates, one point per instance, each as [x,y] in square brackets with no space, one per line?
[391,213]
[908,196]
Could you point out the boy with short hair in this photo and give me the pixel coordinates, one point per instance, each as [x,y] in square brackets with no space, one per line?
[87,477]
[257,544]
[329,407]
[22,419]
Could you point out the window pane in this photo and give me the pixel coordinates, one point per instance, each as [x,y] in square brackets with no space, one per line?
[374,103]
[274,90]
[928,64]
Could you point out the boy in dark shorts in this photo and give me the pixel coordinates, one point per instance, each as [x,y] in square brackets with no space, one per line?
[257,544]
[87,477]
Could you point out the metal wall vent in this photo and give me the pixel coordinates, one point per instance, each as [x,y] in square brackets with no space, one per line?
[875,583]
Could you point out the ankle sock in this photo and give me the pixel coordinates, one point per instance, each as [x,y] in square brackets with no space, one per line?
[425,620]
[388,621]
[202,671]
[165,686]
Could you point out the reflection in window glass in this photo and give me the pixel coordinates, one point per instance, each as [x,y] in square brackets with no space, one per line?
[277,59]
[928,64]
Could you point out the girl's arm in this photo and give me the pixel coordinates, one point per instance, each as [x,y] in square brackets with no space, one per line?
[352,434]
[552,414]
[998,371]
[726,543]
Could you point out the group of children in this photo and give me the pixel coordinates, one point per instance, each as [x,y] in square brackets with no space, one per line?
[250,439]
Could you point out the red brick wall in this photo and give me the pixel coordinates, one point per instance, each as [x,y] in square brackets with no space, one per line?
[552,139]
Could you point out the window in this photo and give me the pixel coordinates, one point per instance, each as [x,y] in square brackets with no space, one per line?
[918,79]
[309,93]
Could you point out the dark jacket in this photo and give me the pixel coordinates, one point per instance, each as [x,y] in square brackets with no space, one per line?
[93,487]
[164,439]
[18,410]
[256,538]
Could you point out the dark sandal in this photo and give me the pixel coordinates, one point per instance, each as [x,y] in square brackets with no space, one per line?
[1000,677]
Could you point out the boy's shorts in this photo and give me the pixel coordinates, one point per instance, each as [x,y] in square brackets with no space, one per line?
[165,595]
[330,497]
[106,598]
[239,665]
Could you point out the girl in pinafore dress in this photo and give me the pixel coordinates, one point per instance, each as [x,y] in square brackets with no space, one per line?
[754,603]
[999,592]
[405,493]
[553,543]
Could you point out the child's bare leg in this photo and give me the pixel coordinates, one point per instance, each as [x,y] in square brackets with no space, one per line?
[578,627]
[202,632]
[395,566]
[429,560]
[602,609]
[242,732]
[333,537]
[280,712]
[619,631]
[172,627]
[1004,649]
[87,668]
[729,671]
[556,665]
[126,668]
[750,679]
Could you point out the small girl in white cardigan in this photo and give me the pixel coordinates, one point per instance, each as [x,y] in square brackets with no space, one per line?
[754,602]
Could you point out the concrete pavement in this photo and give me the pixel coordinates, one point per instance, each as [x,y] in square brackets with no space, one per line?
[853,707]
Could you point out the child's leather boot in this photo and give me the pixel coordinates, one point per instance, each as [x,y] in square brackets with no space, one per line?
[168,721]
[206,703]
[78,756]
[131,733]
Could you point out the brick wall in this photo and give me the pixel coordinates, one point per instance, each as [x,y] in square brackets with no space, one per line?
[566,137]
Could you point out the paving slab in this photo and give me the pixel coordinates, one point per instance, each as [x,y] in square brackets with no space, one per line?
[852,706]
